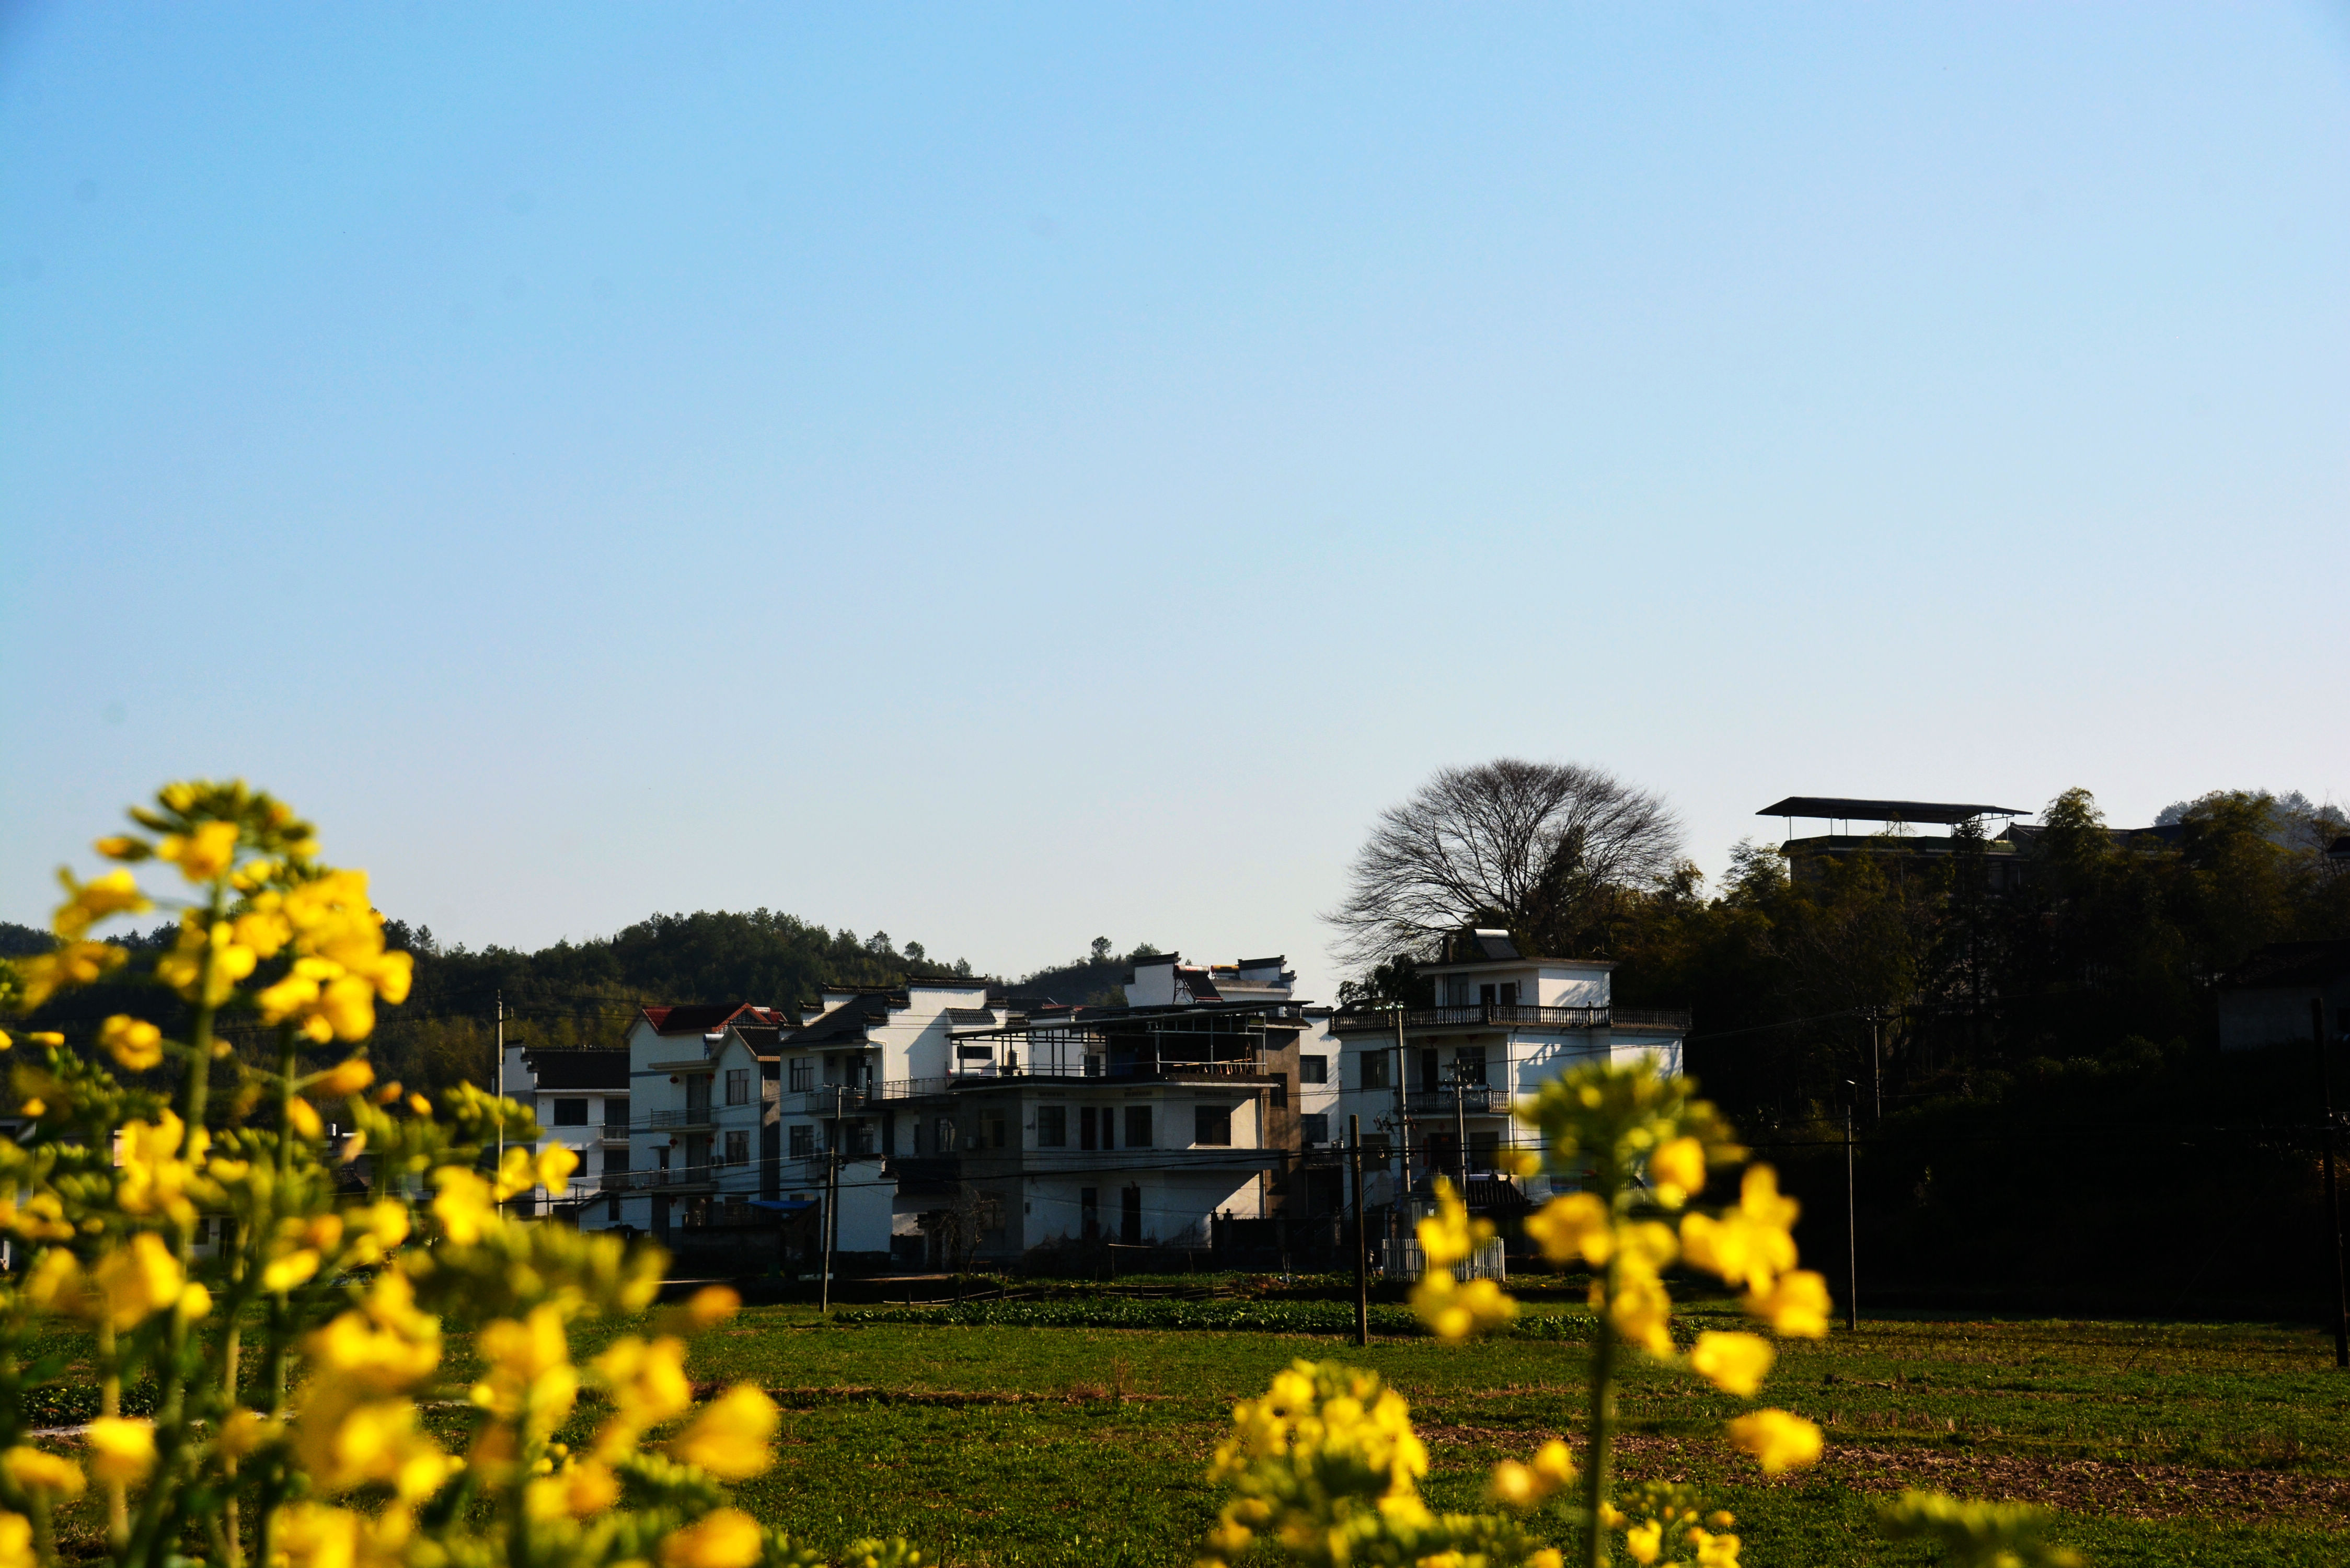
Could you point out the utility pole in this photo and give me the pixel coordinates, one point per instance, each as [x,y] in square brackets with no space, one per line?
[1851,1234]
[830,1234]
[1362,1257]
[502,1074]
[1402,1208]
[2332,1191]
[1461,1124]
[1876,1065]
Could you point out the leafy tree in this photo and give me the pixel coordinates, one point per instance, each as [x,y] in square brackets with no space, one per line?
[1552,852]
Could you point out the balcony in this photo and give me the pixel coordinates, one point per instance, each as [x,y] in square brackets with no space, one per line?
[689,1175]
[1476,1100]
[691,1116]
[1501,1015]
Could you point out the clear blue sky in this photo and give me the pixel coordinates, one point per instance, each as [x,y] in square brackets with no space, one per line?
[1007,475]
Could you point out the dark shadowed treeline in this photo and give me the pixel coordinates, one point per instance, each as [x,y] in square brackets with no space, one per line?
[2059,1124]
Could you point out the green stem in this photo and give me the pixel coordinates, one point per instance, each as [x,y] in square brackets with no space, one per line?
[1596,1477]
[110,1404]
[164,1491]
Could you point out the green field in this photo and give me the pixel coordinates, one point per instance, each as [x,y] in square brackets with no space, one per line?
[2160,1443]
[1076,1443]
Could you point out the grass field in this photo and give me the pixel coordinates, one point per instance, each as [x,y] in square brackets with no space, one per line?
[991,1443]
[2160,1443]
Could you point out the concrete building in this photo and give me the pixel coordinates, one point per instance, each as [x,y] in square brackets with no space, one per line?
[2265,1000]
[1502,1023]
[581,1101]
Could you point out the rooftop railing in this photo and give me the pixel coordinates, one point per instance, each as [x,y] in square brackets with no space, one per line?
[1505,1015]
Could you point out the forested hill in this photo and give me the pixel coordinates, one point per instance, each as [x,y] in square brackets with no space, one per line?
[587,993]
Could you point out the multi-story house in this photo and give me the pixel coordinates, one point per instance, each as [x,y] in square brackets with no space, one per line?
[702,1138]
[581,1101]
[1439,1082]
[971,1123]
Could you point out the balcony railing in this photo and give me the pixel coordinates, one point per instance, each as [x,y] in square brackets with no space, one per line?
[1503,1015]
[647,1180]
[691,1116]
[1476,1100]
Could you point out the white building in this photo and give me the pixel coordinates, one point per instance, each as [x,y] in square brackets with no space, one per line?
[581,1101]
[1502,1024]
[702,1140]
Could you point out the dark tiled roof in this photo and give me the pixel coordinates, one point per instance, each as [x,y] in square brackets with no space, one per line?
[969,1015]
[704,1019]
[845,1023]
[604,1070]
[1196,981]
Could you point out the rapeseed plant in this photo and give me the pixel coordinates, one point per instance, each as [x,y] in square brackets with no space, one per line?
[289,1360]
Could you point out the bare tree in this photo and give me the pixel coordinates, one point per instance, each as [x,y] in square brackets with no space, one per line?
[1541,849]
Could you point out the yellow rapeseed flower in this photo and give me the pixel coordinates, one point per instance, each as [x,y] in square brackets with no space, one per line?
[1733,1362]
[729,1438]
[1796,1305]
[1454,1310]
[135,1043]
[38,1470]
[1573,1227]
[1778,1440]
[1641,1310]
[16,1542]
[313,1535]
[1749,1244]
[244,1431]
[345,1078]
[281,1274]
[86,903]
[1678,1169]
[461,1202]
[136,1282]
[1449,1235]
[69,963]
[723,1538]
[1643,1541]
[648,1384]
[153,1175]
[1714,1551]
[554,1168]
[201,856]
[121,1448]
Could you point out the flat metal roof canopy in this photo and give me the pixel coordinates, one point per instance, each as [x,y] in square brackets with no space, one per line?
[1838,807]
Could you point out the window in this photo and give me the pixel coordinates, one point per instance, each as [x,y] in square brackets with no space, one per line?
[1138,1127]
[615,1160]
[860,1138]
[946,1135]
[738,1148]
[1086,1136]
[615,1111]
[1375,1069]
[738,1086]
[803,1143]
[571,1113]
[1313,1128]
[1052,1126]
[803,1074]
[1212,1125]
[1281,1094]
[1469,1062]
[1485,996]
[992,1127]
[1509,993]
[1313,1069]
[612,1209]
